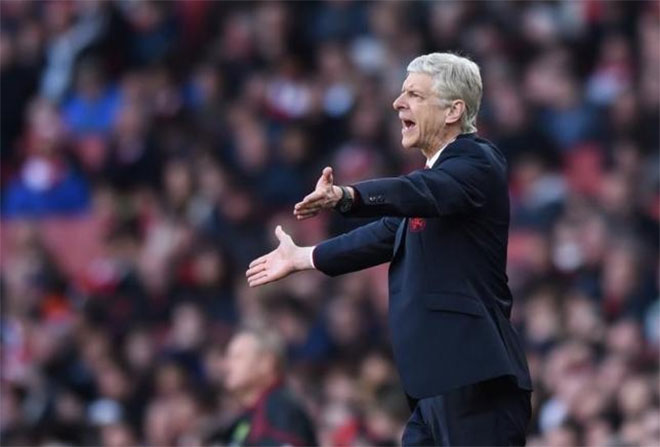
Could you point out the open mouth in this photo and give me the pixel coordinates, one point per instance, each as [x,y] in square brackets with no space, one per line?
[407,125]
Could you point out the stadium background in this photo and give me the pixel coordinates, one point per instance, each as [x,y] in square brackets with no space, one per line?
[149,149]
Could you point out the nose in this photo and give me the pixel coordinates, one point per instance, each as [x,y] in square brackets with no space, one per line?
[398,102]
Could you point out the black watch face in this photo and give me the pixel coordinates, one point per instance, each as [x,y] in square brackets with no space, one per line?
[345,206]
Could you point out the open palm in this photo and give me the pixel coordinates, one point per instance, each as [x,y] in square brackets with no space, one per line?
[277,264]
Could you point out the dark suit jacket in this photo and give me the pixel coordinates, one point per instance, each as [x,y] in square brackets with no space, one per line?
[445,233]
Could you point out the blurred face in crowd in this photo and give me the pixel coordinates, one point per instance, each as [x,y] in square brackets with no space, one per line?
[425,117]
[248,370]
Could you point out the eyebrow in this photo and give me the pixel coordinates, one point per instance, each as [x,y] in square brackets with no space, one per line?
[412,89]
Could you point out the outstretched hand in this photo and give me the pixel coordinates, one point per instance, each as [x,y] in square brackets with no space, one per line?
[325,195]
[287,258]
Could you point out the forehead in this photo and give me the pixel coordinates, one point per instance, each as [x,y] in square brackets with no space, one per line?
[418,81]
[242,343]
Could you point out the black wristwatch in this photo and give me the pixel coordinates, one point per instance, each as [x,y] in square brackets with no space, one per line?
[346,202]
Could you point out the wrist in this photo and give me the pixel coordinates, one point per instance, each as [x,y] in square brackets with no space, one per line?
[337,194]
[345,202]
[304,259]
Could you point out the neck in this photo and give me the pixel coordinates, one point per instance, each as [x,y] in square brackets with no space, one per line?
[250,396]
[448,136]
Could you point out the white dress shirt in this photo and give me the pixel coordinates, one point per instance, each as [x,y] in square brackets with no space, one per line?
[431,161]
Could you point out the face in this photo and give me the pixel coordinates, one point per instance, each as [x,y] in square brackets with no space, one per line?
[244,364]
[423,114]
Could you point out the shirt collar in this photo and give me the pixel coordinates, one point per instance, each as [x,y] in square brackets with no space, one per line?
[431,161]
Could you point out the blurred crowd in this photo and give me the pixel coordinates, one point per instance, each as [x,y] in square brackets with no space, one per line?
[149,149]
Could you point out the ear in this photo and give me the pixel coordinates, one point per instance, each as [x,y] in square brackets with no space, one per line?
[456,110]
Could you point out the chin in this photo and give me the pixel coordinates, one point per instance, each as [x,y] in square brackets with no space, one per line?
[408,143]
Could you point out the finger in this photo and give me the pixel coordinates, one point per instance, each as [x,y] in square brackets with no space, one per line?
[306,215]
[257,275]
[311,197]
[327,174]
[318,203]
[280,234]
[310,210]
[258,281]
[258,261]
[256,269]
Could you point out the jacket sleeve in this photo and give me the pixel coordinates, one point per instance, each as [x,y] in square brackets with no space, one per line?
[364,247]
[457,185]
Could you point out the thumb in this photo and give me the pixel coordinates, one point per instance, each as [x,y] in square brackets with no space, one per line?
[280,234]
[327,174]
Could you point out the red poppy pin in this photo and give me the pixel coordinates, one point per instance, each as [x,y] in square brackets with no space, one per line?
[417,224]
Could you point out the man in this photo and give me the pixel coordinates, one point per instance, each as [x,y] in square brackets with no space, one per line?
[444,229]
[253,374]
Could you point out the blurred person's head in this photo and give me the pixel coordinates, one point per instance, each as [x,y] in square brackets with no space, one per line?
[624,113]
[616,194]
[339,386]
[209,267]
[158,429]
[291,318]
[440,99]
[118,435]
[139,351]
[508,107]
[95,347]
[376,370]
[590,403]
[188,326]
[214,364]
[635,397]
[131,124]
[211,177]
[294,145]
[90,79]
[345,322]
[185,413]
[566,368]
[625,338]
[651,426]
[562,436]
[631,432]
[598,433]
[254,361]
[252,147]
[112,381]
[387,415]
[542,322]
[45,127]
[593,240]
[7,50]
[179,182]
[582,319]
[612,371]
[170,379]
[366,121]
[59,16]
[206,84]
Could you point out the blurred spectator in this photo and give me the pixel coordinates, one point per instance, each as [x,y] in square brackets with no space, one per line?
[254,366]
[147,147]
[47,183]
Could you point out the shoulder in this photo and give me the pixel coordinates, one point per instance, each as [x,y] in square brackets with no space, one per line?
[282,403]
[475,149]
[287,420]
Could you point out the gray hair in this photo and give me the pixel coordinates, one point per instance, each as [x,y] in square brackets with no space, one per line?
[268,342]
[454,77]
